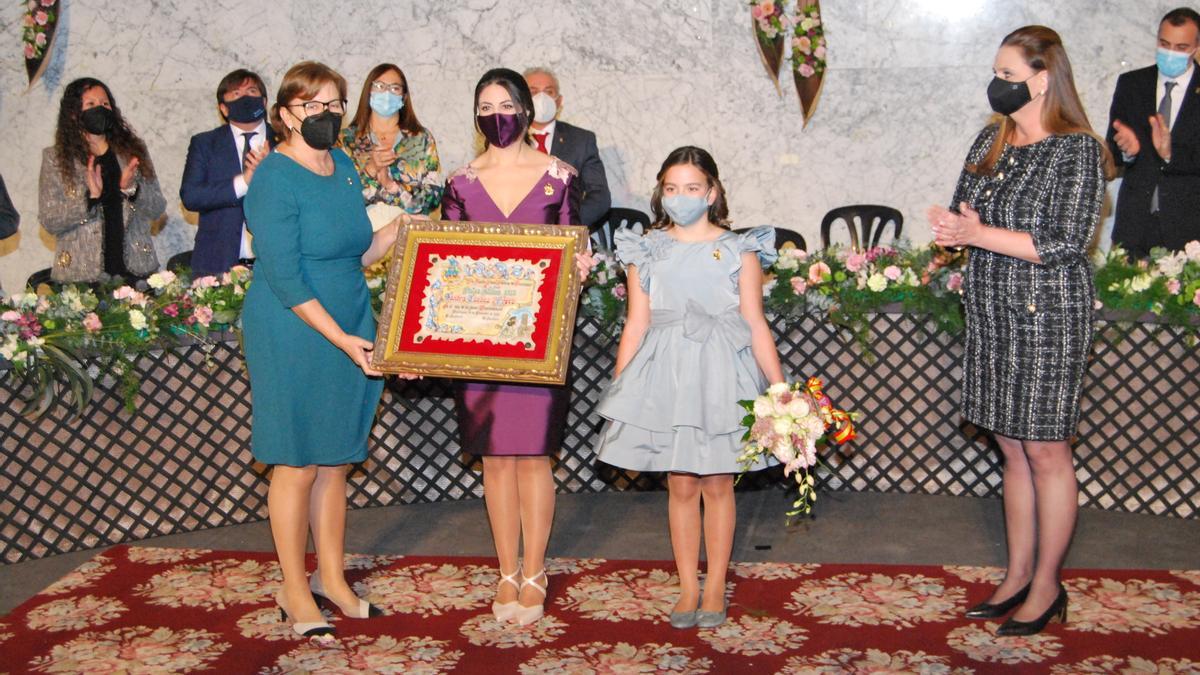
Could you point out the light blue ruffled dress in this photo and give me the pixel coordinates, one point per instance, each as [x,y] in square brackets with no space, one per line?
[674,407]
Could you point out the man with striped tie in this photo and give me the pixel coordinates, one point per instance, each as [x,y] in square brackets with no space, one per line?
[1155,135]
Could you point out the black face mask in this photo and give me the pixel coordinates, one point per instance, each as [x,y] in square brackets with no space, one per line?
[246,109]
[1007,97]
[321,131]
[98,120]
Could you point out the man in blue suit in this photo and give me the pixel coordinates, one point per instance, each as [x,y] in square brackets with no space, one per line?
[220,165]
[571,144]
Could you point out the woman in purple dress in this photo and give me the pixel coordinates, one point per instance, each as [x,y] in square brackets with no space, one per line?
[514,427]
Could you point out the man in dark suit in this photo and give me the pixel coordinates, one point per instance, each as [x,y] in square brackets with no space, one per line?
[569,143]
[220,165]
[1155,135]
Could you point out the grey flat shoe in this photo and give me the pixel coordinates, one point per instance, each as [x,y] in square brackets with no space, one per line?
[683,620]
[711,619]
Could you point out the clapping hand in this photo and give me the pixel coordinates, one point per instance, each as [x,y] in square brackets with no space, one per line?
[1160,136]
[253,159]
[95,182]
[382,157]
[952,229]
[1126,140]
[129,175]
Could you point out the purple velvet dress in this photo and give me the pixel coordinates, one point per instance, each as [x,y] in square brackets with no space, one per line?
[513,419]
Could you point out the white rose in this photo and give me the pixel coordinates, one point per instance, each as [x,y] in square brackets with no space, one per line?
[787,262]
[1140,283]
[156,281]
[137,319]
[1172,265]
[762,406]
[877,282]
[9,348]
[1192,250]
[777,388]
[798,407]
[783,426]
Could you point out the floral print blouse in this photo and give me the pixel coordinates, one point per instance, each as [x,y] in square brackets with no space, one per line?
[417,170]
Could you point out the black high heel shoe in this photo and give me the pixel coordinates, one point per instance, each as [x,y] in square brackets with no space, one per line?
[1058,609]
[364,609]
[986,610]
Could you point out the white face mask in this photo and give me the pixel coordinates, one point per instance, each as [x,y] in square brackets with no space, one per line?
[544,108]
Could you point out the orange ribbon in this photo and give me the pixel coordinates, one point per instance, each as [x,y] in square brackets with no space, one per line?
[833,417]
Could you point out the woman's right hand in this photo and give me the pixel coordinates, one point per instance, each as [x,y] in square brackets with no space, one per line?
[382,157]
[95,183]
[359,351]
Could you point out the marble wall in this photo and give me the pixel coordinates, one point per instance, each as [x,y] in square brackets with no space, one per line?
[903,96]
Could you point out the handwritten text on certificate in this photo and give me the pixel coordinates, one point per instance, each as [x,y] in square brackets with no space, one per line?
[481,300]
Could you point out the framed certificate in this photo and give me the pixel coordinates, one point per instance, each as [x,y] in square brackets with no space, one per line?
[481,301]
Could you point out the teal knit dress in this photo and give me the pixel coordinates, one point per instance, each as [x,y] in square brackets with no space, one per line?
[311,404]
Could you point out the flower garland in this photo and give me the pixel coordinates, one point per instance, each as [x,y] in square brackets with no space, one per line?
[46,337]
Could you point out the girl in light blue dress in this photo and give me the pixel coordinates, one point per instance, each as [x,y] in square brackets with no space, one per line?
[695,343]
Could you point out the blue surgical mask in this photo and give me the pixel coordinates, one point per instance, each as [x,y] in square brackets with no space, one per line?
[1172,63]
[386,103]
[685,210]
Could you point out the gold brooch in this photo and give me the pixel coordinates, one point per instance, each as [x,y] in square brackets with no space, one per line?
[716,254]
[549,189]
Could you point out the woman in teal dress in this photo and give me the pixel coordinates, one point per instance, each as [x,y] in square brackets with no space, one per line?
[308,337]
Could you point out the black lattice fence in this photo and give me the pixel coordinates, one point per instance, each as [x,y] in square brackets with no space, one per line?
[181,460]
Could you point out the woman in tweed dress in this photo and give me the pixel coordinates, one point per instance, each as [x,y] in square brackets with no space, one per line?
[1027,204]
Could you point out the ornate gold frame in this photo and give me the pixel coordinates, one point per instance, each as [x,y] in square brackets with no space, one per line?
[569,239]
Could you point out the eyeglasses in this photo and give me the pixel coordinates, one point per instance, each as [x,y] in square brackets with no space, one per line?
[397,88]
[336,106]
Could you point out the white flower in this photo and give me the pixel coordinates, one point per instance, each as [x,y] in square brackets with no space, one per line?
[788,262]
[160,280]
[24,300]
[137,319]
[877,282]
[762,406]
[777,389]
[783,426]
[9,348]
[769,286]
[1172,265]
[1192,250]
[798,407]
[1140,283]
[806,24]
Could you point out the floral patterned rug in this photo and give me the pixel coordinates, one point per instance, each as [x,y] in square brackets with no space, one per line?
[142,609]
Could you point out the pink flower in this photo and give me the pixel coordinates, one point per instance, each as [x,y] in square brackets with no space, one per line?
[819,52]
[797,253]
[28,51]
[205,282]
[806,70]
[27,22]
[1098,305]
[41,17]
[768,7]
[892,272]
[203,314]
[92,322]
[1173,286]
[804,45]
[799,285]
[48,3]
[756,12]
[171,310]
[619,291]
[1196,298]
[954,282]
[40,39]
[817,272]
[124,293]
[855,262]
[11,315]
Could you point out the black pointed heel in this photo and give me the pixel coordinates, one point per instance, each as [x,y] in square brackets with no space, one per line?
[1057,609]
[986,610]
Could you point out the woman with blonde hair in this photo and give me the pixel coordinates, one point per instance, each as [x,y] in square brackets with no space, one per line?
[308,329]
[1027,204]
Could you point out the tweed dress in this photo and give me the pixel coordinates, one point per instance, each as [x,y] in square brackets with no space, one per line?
[1029,326]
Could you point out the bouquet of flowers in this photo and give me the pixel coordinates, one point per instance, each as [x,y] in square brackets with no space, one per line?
[1167,285]
[604,291]
[788,421]
[770,24]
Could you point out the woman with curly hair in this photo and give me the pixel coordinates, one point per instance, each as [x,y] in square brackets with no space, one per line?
[98,193]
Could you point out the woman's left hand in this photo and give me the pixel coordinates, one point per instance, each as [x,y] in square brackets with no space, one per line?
[129,175]
[954,229]
[584,262]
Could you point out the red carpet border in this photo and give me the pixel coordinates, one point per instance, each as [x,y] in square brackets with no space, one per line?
[159,610]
